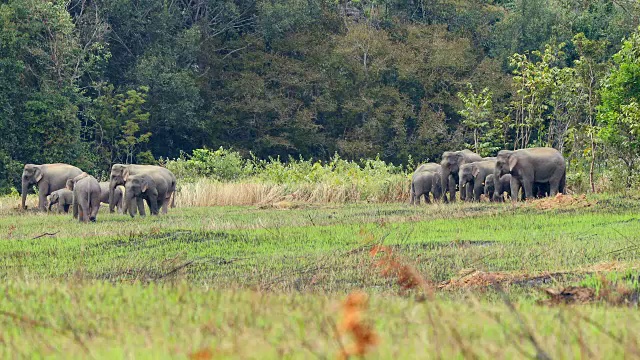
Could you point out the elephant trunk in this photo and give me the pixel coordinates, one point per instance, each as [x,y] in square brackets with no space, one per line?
[129,204]
[25,188]
[444,183]
[497,186]
[112,189]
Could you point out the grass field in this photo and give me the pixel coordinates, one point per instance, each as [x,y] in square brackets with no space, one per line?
[268,281]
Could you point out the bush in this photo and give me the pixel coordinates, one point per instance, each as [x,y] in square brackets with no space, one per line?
[221,165]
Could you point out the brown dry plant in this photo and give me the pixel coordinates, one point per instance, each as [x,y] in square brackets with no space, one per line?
[353,323]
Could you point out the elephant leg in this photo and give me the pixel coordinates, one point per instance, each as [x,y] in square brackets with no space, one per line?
[426,198]
[65,208]
[452,189]
[76,209]
[478,189]
[153,202]
[469,191]
[95,206]
[554,187]
[528,188]
[411,195]
[42,196]
[140,203]
[165,205]
[515,188]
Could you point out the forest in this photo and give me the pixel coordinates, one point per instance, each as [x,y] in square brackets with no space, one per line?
[98,82]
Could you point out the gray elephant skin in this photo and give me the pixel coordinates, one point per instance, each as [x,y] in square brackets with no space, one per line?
[118,195]
[63,198]
[451,162]
[48,178]
[165,180]
[425,181]
[86,197]
[472,177]
[530,166]
[140,188]
[489,187]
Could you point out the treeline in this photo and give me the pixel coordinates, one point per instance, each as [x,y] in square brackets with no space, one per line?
[95,82]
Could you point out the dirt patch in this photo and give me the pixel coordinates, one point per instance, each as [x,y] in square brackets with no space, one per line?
[472,278]
[561,201]
[611,294]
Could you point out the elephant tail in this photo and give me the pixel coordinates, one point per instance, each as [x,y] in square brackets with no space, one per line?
[412,193]
[563,183]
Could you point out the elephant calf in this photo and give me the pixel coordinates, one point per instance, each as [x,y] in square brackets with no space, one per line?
[63,198]
[139,188]
[473,178]
[489,187]
[86,197]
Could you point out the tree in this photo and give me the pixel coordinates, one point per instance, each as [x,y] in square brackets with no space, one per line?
[589,70]
[476,112]
[619,112]
[117,123]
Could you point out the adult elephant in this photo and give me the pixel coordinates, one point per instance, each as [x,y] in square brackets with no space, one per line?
[120,173]
[472,176]
[48,178]
[450,166]
[530,166]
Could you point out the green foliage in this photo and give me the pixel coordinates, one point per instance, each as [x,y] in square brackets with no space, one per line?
[118,120]
[221,165]
[619,112]
[476,113]
[115,81]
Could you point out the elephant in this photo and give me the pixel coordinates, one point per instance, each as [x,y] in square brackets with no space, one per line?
[86,197]
[451,162]
[530,166]
[472,177]
[428,167]
[423,183]
[164,179]
[118,194]
[489,187]
[62,197]
[48,178]
[143,187]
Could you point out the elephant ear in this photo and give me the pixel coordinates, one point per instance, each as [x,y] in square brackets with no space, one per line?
[38,174]
[512,162]
[145,186]
[69,185]
[125,174]
[475,170]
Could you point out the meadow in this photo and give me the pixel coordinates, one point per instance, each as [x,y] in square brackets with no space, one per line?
[473,280]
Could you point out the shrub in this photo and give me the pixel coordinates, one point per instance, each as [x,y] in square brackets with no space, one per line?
[221,165]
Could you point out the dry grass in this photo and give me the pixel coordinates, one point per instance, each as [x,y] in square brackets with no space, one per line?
[210,193]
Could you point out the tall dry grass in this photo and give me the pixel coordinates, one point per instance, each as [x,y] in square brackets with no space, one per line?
[205,192]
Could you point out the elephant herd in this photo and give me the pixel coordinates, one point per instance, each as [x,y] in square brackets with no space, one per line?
[537,171]
[128,188]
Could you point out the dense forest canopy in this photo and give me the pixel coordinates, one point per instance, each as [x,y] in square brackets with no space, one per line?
[95,82]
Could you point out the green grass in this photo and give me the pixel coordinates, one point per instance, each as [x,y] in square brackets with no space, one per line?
[222,277]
